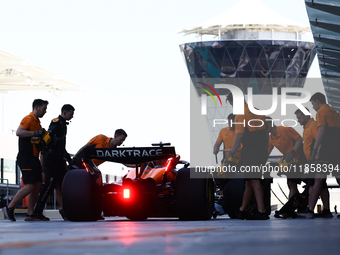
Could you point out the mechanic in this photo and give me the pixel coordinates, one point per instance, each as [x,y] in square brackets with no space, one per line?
[310,132]
[226,136]
[54,164]
[254,153]
[289,143]
[28,159]
[101,141]
[328,123]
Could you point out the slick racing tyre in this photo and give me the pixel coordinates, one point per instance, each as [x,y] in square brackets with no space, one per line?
[194,198]
[233,196]
[80,197]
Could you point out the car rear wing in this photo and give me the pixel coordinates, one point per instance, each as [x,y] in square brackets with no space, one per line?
[133,155]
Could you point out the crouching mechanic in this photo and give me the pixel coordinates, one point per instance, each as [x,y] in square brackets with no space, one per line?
[101,141]
[289,143]
[54,164]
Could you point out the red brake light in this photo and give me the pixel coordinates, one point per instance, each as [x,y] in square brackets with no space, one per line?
[126,193]
[167,168]
[85,165]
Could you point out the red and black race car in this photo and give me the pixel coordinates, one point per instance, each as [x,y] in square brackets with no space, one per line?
[159,186]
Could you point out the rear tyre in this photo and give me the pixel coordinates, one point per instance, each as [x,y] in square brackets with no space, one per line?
[194,198]
[80,197]
[233,195]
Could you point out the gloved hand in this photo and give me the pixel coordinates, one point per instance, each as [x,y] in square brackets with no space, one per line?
[288,157]
[38,133]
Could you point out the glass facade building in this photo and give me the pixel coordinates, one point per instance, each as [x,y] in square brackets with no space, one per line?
[260,64]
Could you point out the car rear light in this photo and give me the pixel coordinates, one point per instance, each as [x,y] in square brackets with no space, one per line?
[168,164]
[126,193]
[86,166]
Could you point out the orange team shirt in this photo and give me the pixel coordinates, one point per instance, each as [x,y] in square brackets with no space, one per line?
[248,115]
[30,123]
[310,132]
[284,140]
[227,136]
[100,141]
[328,117]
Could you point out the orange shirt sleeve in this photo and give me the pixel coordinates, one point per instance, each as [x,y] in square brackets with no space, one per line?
[26,123]
[321,119]
[291,132]
[94,140]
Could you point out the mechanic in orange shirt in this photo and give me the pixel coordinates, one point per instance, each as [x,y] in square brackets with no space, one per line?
[310,132]
[226,136]
[254,139]
[102,141]
[328,155]
[289,143]
[28,159]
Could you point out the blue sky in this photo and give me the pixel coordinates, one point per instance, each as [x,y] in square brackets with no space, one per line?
[125,52]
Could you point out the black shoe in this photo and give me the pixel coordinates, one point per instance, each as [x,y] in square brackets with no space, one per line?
[240,214]
[338,216]
[258,216]
[324,214]
[61,211]
[8,213]
[36,217]
[101,217]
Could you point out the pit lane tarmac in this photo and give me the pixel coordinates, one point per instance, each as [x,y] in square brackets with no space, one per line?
[117,235]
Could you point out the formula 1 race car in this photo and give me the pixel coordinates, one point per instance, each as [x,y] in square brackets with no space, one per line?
[156,187]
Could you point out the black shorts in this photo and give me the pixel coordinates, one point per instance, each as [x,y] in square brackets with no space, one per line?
[30,169]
